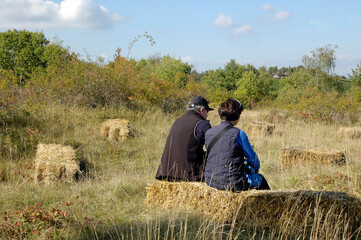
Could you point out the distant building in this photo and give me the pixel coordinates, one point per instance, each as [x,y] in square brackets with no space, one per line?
[279,76]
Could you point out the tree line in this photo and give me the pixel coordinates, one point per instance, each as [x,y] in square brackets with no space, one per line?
[31,64]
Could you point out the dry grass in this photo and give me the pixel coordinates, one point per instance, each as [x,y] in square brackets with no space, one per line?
[116,190]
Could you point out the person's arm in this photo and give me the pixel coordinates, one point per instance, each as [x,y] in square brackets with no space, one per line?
[201,129]
[249,153]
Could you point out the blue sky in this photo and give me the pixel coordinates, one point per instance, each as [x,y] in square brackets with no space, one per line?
[206,34]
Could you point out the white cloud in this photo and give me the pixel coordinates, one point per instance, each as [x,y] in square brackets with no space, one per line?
[282,16]
[188,59]
[226,21]
[104,56]
[223,21]
[48,14]
[267,7]
[242,30]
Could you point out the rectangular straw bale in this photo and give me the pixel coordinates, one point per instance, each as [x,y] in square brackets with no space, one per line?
[253,208]
[351,132]
[54,162]
[302,155]
[260,128]
[115,129]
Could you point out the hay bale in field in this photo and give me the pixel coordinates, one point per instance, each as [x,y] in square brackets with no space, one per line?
[260,128]
[350,132]
[55,162]
[115,129]
[302,155]
[292,210]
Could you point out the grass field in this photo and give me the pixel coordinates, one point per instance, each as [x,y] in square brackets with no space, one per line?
[108,203]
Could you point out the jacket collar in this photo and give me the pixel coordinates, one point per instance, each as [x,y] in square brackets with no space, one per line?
[225,123]
[192,112]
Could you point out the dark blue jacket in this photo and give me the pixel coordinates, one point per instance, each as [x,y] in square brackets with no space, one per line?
[225,168]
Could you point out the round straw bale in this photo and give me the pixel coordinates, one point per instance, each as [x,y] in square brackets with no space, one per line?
[302,155]
[115,129]
[54,162]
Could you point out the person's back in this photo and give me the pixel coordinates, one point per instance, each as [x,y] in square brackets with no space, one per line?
[225,168]
[183,154]
[232,163]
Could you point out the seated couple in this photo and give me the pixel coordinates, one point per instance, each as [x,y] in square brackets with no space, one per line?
[230,163]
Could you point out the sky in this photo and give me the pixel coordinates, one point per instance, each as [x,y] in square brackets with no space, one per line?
[206,34]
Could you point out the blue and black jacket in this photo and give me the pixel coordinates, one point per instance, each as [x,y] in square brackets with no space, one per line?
[229,160]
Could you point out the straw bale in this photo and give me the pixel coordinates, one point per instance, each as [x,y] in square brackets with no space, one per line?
[302,155]
[115,129]
[55,162]
[263,208]
[260,128]
[351,132]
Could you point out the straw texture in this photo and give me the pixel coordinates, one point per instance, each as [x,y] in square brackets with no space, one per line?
[55,162]
[296,209]
[302,155]
[351,132]
[115,129]
[260,128]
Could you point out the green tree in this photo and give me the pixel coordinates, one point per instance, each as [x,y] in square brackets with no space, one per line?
[322,63]
[321,59]
[196,75]
[216,80]
[293,87]
[298,79]
[226,79]
[54,54]
[262,69]
[254,87]
[22,52]
[167,68]
[273,70]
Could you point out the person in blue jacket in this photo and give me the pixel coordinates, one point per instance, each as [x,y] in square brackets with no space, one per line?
[231,163]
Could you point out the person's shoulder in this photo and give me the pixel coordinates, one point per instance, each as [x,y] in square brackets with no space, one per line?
[242,134]
[203,124]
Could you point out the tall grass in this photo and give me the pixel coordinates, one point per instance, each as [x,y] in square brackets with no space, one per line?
[109,202]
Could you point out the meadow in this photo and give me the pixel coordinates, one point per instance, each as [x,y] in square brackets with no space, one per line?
[51,95]
[108,202]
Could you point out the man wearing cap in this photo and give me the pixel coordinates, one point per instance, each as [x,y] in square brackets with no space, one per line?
[183,154]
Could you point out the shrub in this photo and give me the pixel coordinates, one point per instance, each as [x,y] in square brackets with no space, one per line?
[326,106]
[120,83]
[17,129]
[356,83]
[33,222]
[9,91]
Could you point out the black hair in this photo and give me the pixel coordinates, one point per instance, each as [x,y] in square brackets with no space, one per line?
[230,110]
